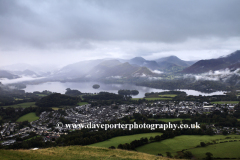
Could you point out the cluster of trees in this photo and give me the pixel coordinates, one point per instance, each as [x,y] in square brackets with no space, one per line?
[45,92]
[237,111]
[74,93]
[217,118]
[56,100]
[128,92]
[179,93]
[134,144]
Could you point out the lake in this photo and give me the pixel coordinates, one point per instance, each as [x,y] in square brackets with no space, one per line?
[86,87]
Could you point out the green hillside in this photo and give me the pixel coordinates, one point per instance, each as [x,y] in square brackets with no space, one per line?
[28,117]
[188,142]
[123,139]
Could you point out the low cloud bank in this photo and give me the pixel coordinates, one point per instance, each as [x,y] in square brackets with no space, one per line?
[22,79]
[214,75]
[157,71]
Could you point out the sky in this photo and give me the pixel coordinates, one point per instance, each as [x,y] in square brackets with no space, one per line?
[61,32]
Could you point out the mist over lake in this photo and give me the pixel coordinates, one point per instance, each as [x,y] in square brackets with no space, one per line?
[86,87]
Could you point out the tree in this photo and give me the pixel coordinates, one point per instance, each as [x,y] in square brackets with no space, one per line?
[188,154]
[225,132]
[210,131]
[70,92]
[209,156]
[169,154]
[202,144]
[112,147]
[120,146]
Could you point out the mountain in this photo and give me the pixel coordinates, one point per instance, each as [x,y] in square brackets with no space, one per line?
[20,68]
[110,63]
[169,64]
[135,67]
[139,61]
[165,65]
[175,60]
[231,61]
[78,69]
[118,70]
[6,74]
[26,72]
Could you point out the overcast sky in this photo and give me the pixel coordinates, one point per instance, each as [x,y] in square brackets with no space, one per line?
[67,31]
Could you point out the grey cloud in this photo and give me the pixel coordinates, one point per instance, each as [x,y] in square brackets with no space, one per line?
[41,23]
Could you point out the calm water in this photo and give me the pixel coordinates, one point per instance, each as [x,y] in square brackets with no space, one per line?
[86,87]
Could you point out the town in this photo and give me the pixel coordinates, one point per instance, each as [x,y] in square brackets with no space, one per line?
[46,127]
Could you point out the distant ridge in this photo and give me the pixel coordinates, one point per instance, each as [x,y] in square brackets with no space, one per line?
[231,61]
[6,74]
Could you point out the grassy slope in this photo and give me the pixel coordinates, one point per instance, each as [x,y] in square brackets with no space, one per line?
[76,152]
[179,143]
[28,117]
[23,105]
[222,150]
[123,139]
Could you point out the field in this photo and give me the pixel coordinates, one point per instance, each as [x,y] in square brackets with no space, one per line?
[168,95]
[18,99]
[169,119]
[55,108]
[41,95]
[79,103]
[23,105]
[226,102]
[123,139]
[179,143]
[32,138]
[222,150]
[155,97]
[82,103]
[28,117]
[76,152]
